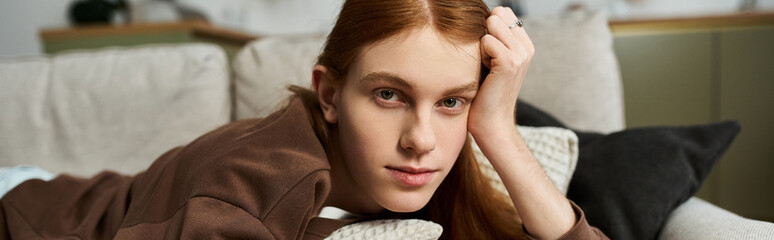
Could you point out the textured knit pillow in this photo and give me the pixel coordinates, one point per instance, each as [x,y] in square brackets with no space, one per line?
[555,149]
[389,229]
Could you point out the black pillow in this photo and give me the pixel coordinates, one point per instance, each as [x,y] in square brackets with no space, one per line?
[628,182]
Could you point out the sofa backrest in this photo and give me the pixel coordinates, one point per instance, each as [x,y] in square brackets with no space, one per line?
[263,69]
[116,109]
[574,74]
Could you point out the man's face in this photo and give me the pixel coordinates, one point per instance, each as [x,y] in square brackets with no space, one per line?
[402,116]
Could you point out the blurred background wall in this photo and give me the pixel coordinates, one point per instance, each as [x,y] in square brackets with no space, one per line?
[20,21]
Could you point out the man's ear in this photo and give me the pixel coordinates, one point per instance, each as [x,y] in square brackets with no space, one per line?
[327,93]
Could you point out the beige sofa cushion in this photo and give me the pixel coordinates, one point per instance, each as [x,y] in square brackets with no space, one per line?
[574,75]
[117,109]
[264,69]
[697,219]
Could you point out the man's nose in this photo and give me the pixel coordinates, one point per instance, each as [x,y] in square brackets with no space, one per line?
[419,137]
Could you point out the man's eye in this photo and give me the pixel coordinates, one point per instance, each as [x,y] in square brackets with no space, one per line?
[451,103]
[387,94]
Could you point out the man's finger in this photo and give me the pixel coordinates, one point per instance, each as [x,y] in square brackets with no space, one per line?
[509,18]
[497,28]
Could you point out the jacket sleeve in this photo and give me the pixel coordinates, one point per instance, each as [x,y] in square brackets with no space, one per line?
[581,230]
[201,218]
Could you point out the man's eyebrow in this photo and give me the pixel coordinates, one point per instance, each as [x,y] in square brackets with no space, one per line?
[472,86]
[394,79]
[388,77]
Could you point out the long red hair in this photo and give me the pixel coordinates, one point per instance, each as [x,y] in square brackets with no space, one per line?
[465,204]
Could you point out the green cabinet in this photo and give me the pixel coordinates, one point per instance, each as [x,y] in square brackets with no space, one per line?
[701,76]
[99,36]
[745,179]
[666,78]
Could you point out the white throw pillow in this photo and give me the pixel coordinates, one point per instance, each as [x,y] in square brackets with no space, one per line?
[555,149]
[389,229]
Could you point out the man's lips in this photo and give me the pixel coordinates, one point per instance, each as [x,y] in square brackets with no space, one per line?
[412,169]
[411,176]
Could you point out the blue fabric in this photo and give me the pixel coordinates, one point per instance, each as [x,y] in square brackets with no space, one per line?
[10,177]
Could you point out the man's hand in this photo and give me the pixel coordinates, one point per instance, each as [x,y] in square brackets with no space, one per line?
[507,51]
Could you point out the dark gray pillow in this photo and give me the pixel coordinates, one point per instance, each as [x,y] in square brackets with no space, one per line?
[628,182]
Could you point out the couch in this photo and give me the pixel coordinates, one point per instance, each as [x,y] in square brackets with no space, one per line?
[118,109]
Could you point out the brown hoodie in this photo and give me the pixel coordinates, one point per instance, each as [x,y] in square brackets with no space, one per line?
[250,179]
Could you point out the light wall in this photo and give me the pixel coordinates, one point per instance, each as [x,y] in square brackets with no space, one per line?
[274,16]
[641,8]
[21,20]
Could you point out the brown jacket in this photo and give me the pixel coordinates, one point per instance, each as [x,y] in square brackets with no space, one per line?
[250,179]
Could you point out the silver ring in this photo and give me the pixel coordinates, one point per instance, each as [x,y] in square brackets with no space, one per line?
[518,23]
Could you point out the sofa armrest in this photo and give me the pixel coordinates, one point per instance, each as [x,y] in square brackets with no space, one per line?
[698,219]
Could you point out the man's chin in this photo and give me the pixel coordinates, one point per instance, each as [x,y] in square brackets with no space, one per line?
[406,202]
